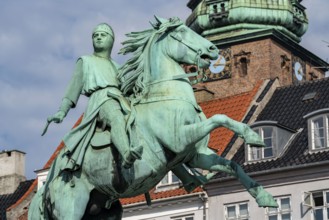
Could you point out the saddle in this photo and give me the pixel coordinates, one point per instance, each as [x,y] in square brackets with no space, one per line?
[101,139]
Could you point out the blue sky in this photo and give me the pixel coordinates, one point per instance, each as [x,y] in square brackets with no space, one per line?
[40,41]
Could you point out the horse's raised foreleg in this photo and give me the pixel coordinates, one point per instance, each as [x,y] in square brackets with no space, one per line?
[208,160]
[195,132]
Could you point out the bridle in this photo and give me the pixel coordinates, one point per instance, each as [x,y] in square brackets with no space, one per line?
[197,60]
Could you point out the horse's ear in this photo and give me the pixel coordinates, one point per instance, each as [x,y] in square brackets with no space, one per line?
[160,20]
[154,25]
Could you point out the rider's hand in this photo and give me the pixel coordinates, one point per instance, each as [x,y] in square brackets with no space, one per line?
[57,117]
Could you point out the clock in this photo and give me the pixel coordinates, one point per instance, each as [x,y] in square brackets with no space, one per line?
[298,70]
[217,66]
[221,67]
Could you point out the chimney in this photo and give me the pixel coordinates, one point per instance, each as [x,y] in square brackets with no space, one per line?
[12,170]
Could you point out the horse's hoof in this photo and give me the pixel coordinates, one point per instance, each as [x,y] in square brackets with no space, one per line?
[253,139]
[265,199]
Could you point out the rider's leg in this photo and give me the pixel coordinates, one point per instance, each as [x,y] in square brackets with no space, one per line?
[110,112]
[210,161]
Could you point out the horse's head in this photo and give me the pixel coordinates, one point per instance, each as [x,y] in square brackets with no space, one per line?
[184,45]
[158,53]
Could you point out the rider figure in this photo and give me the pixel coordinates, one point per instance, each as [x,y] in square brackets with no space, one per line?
[95,76]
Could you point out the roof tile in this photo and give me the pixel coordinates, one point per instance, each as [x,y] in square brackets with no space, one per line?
[234,107]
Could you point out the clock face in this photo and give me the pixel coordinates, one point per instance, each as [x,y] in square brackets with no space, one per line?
[298,70]
[217,66]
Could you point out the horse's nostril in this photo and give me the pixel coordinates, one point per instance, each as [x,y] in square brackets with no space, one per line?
[212,48]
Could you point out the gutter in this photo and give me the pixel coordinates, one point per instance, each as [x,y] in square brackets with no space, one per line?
[173,198]
[276,170]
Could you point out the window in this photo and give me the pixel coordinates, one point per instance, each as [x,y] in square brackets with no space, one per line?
[237,211]
[170,181]
[170,178]
[42,177]
[268,134]
[319,203]
[283,212]
[318,127]
[190,217]
[276,138]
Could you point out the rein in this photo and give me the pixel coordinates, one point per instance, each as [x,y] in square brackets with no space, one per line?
[186,75]
[198,57]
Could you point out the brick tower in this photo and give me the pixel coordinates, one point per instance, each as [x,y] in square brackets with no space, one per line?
[258,39]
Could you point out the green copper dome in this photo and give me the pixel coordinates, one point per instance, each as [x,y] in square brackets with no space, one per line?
[210,17]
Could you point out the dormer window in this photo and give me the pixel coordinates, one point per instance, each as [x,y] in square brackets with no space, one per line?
[275,136]
[318,129]
[319,132]
[170,181]
[170,178]
[268,134]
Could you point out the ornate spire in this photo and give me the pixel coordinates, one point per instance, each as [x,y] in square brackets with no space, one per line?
[211,17]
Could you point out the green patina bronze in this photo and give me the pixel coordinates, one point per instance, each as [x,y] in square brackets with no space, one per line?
[239,17]
[166,129]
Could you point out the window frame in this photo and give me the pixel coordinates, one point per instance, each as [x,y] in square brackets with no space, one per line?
[183,217]
[309,202]
[278,211]
[170,184]
[171,176]
[237,211]
[311,132]
[260,151]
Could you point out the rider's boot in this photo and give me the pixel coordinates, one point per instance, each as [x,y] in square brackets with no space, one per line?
[263,198]
[129,154]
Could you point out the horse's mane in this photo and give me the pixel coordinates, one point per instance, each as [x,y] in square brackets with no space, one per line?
[132,74]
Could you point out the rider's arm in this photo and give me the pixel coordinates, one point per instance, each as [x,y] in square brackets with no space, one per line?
[71,95]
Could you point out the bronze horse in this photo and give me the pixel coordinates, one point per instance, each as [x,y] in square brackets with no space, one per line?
[165,120]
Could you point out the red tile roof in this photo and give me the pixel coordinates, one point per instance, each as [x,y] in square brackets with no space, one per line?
[235,107]
[158,195]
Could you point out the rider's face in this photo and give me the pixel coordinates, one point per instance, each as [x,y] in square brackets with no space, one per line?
[102,41]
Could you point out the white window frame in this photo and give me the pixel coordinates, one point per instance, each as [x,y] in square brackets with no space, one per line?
[171,179]
[312,129]
[310,203]
[183,217]
[260,150]
[279,212]
[238,215]
[42,177]
[171,184]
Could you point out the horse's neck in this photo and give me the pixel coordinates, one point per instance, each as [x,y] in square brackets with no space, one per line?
[164,68]
[162,82]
